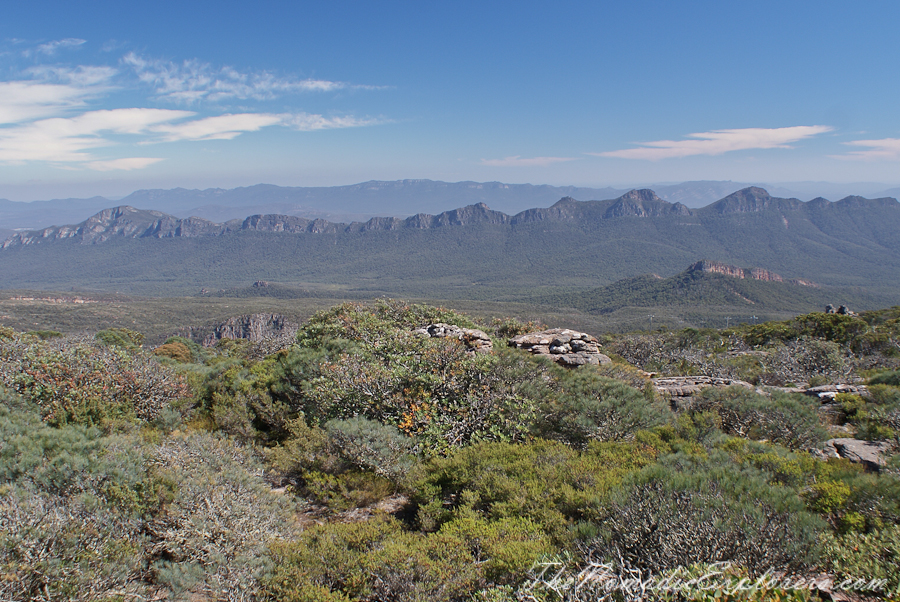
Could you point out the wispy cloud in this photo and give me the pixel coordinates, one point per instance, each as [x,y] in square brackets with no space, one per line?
[81,75]
[519,161]
[192,81]
[126,164]
[884,149]
[50,48]
[25,100]
[220,127]
[67,140]
[309,122]
[50,113]
[718,142]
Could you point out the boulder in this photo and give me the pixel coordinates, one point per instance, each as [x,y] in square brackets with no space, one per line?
[565,347]
[868,453]
[476,341]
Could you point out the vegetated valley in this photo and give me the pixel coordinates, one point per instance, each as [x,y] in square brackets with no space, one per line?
[221,412]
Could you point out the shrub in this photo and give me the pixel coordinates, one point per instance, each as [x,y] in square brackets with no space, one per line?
[546,482]
[589,406]
[75,380]
[372,446]
[866,556]
[73,506]
[213,536]
[378,560]
[122,337]
[790,420]
[176,351]
[684,513]
[886,378]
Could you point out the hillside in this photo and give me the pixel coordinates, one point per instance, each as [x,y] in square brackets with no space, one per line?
[472,252]
[706,283]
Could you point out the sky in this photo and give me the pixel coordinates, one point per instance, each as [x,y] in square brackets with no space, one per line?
[103,98]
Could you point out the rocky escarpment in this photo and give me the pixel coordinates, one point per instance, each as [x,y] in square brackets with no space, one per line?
[565,347]
[715,267]
[252,327]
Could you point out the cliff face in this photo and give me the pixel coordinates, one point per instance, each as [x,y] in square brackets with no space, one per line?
[717,267]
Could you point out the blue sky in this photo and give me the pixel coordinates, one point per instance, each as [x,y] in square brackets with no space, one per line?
[108,97]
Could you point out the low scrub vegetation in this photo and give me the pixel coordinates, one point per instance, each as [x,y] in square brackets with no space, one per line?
[366,462]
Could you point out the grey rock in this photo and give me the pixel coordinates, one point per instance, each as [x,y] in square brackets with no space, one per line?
[476,341]
[565,347]
[868,453]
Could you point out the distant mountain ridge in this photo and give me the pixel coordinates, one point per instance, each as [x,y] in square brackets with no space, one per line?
[475,252]
[359,202]
[128,222]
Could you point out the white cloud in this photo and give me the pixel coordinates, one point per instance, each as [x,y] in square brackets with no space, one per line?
[717,142]
[25,100]
[884,149]
[220,127]
[518,161]
[45,116]
[50,48]
[126,164]
[60,139]
[192,81]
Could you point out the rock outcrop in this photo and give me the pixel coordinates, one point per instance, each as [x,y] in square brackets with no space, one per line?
[868,453]
[716,267]
[828,392]
[476,341]
[563,346]
[680,390]
[255,328]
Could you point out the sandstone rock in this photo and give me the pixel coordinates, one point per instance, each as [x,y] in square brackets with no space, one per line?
[476,341]
[563,346]
[868,453]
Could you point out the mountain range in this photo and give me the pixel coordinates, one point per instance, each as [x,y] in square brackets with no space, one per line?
[360,202]
[849,248]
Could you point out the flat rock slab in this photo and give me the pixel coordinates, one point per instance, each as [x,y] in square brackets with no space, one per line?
[869,453]
[563,346]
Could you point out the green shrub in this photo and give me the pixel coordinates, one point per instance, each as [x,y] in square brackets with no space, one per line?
[685,512]
[213,536]
[122,337]
[886,378]
[866,556]
[790,420]
[378,560]
[176,351]
[373,446]
[589,406]
[546,482]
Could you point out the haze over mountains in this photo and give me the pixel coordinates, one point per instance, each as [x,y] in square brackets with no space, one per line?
[360,202]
